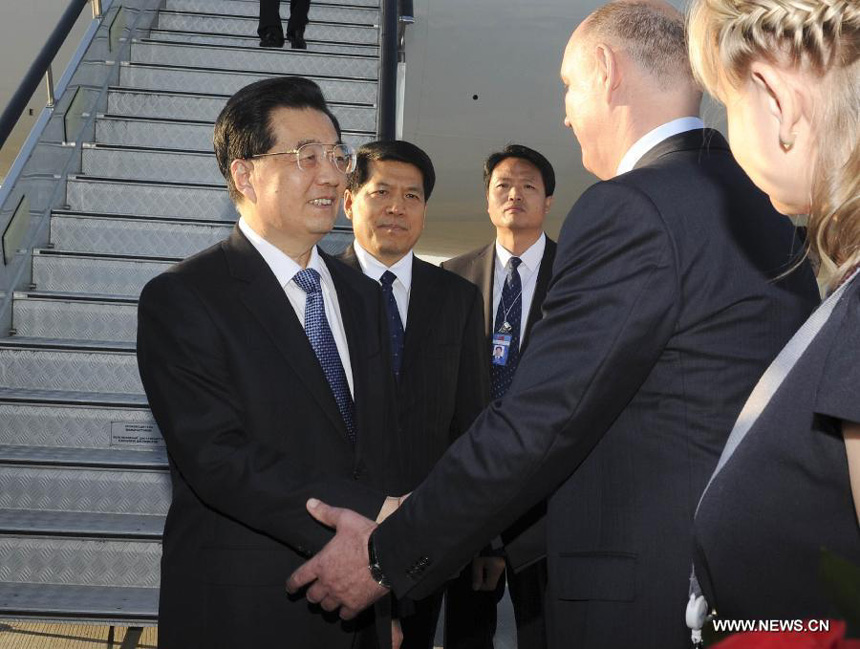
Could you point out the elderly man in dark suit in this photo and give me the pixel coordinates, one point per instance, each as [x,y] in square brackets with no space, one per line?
[513,274]
[438,349]
[265,364]
[668,300]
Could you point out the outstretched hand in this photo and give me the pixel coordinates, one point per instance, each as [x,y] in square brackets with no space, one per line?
[338,574]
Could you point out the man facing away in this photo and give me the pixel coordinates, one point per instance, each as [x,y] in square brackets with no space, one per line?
[667,303]
[513,274]
[435,324]
[265,364]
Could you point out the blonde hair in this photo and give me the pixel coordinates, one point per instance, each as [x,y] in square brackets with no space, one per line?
[820,38]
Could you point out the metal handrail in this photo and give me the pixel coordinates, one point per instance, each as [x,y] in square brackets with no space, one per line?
[387,120]
[41,68]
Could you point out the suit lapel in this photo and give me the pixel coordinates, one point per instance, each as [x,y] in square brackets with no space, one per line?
[425,296]
[541,285]
[268,303]
[485,267]
[350,259]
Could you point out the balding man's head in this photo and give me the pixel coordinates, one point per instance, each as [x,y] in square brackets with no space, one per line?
[626,72]
[650,32]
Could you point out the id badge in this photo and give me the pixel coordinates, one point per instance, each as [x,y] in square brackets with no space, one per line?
[500,347]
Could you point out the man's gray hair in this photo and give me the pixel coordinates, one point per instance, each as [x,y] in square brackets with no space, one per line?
[653,36]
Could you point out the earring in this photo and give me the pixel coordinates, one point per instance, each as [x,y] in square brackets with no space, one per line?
[786,146]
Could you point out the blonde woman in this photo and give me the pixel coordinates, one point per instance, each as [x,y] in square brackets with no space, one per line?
[788,72]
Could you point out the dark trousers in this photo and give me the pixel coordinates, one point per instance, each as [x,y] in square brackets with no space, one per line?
[419,627]
[470,616]
[270,16]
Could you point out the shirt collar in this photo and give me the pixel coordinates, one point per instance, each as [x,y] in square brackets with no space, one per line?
[652,138]
[374,268]
[531,258]
[282,265]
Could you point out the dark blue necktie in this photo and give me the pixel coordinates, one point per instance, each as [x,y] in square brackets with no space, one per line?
[510,311]
[395,324]
[321,339]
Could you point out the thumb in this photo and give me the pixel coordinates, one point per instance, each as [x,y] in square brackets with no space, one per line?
[325,514]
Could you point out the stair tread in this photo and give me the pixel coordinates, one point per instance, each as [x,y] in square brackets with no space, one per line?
[83,457]
[19,395]
[64,344]
[81,524]
[83,602]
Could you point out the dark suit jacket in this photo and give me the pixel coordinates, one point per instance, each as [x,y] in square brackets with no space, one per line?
[443,380]
[479,266]
[525,540]
[663,311]
[252,431]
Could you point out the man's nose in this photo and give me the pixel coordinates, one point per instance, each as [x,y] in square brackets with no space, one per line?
[515,194]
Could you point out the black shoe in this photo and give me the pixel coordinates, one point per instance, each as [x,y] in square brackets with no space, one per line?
[271,37]
[297,39]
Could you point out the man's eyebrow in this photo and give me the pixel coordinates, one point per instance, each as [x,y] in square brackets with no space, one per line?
[309,141]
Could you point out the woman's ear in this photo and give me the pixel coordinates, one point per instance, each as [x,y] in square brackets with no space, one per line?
[781,97]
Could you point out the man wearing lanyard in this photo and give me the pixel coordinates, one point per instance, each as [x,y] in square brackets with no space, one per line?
[513,274]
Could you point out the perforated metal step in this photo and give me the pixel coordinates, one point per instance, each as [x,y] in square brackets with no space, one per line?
[247,26]
[56,315]
[254,58]
[81,524]
[177,200]
[61,365]
[178,79]
[319,11]
[254,41]
[156,165]
[94,458]
[83,603]
[134,235]
[79,562]
[188,136]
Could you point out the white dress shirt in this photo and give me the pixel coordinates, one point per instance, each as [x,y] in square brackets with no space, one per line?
[652,138]
[401,287]
[528,271]
[285,270]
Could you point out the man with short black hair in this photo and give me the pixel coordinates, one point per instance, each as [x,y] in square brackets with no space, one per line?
[435,323]
[265,364]
[519,184]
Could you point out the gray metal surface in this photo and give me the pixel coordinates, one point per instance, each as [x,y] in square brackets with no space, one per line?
[150,199]
[101,458]
[79,562]
[95,275]
[51,601]
[157,166]
[226,83]
[247,26]
[190,136]
[74,319]
[72,397]
[164,105]
[254,59]
[67,430]
[319,11]
[134,236]
[56,369]
[254,41]
[204,6]
[87,524]
[84,490]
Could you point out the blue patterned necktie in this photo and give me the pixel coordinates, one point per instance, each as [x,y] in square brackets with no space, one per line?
[510,310]
[395,324]
[321,339]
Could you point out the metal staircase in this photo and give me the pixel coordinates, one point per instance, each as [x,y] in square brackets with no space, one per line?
[84,486]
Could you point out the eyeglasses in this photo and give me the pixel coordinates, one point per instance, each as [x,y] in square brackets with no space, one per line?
[309,156]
